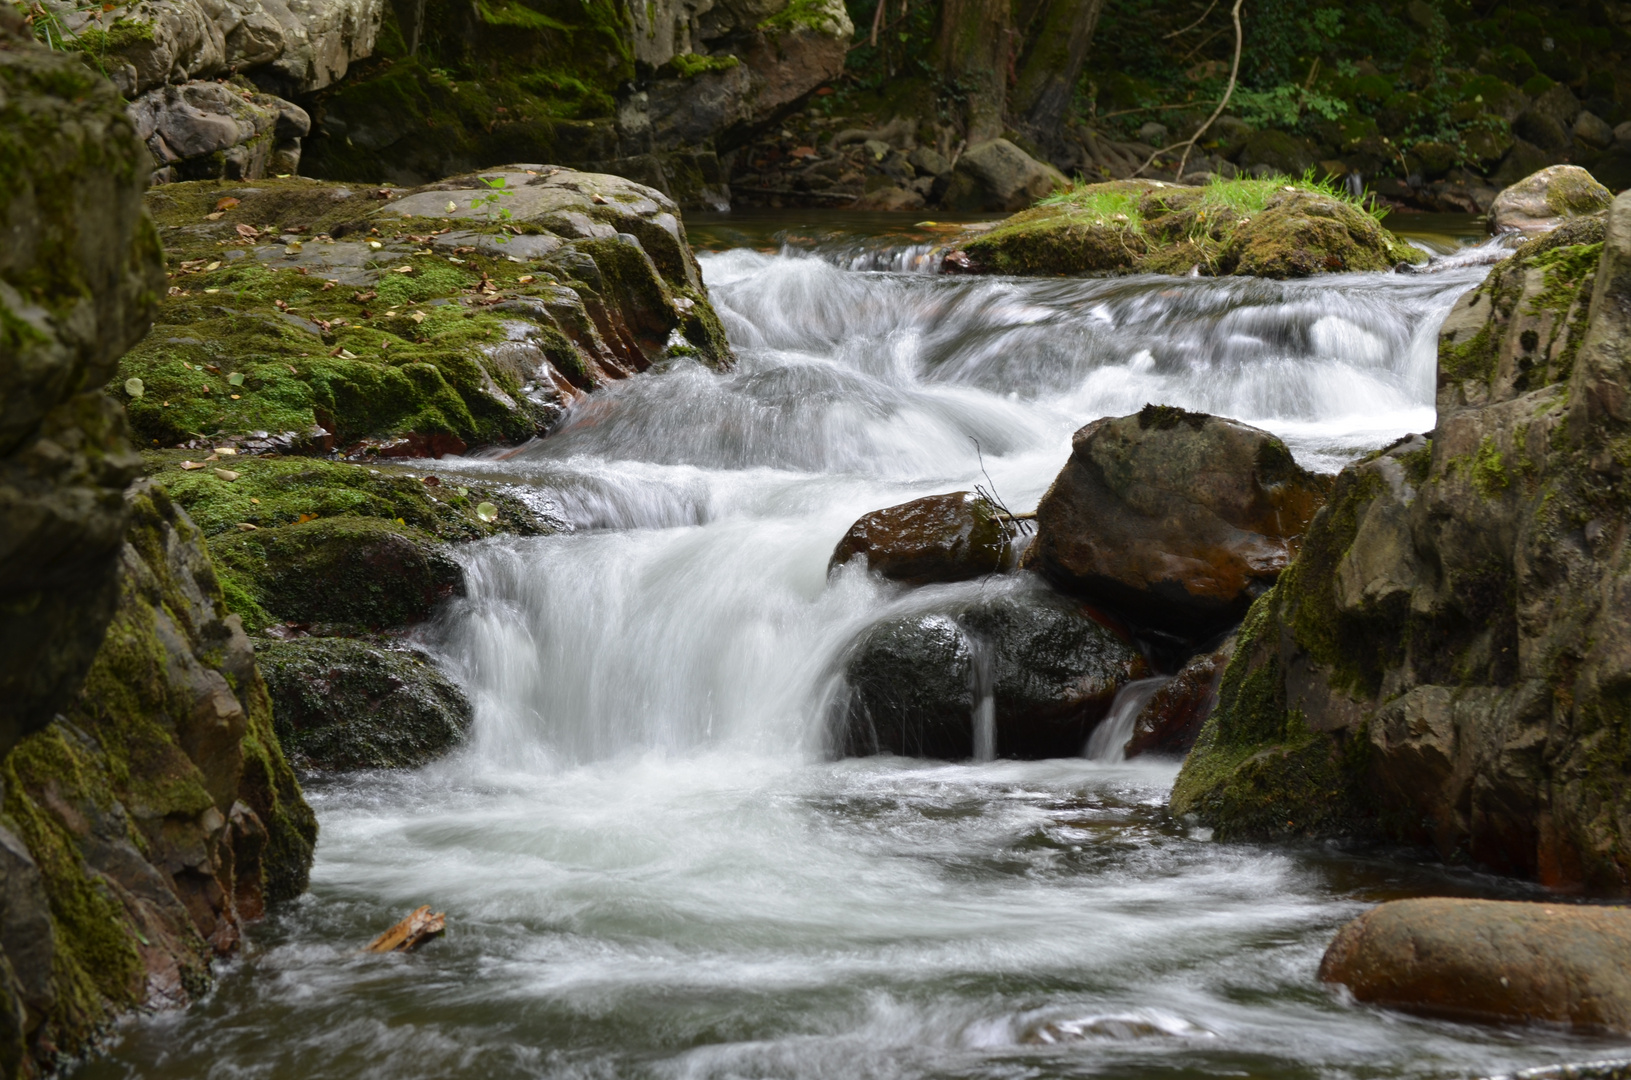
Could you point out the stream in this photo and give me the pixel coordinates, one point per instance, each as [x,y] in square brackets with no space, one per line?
[649,865]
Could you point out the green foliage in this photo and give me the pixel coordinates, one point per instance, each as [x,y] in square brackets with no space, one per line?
[1286,105]
[690,65]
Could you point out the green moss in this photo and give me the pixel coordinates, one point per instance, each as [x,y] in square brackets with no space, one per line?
[120,35]
[801,15]
[1487,471]
[690,65]
[1566,269]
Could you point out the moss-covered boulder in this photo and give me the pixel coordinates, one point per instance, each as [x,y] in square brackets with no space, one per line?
[158,810]
[1023,673]
[950,537]
[1544,200]
[80,276]
[473,312]
[1173,520]
[344,704]
[1446,661]
[1273,227]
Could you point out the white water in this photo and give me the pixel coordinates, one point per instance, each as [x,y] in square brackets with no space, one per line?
[649,867]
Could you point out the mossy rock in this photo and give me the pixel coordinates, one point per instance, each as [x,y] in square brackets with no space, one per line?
[1277,228]
[355,572]
[342,704]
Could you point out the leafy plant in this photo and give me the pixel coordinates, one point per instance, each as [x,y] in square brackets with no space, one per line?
[492,202]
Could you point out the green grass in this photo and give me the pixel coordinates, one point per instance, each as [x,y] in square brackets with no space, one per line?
[1242,197]
[1101,207]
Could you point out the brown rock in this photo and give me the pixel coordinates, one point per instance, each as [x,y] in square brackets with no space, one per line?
[952,537]
[1170,721]
[1542,201]
[1172,519]
[1490,960]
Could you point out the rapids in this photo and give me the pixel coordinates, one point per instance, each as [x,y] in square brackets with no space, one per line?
[649,866]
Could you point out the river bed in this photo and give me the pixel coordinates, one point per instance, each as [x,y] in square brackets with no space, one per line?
[649,865]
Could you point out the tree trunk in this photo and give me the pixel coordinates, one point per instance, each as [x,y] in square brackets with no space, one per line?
[1057,40]
[972,52]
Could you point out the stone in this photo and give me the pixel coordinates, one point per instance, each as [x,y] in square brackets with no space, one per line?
[1044,670]
[1544,200]
[218,131]
[1542,130]
[1176,521]
[1622,135]
[930,162]
[1004,177]
[1593,130]
[1154,133]
[341,704]
[1171,720]
[80,275]
[890,199]
[951,537]
[1559,105]
[1523,158]
[1490,961]
[1281,154]
[1443,664]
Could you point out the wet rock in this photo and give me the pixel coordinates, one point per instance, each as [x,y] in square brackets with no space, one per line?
[80,269]
[1171,720]
[344,572]
[1441,664]
[1546,199]
[1490,961]
[1174,520]
[218,131]
[1044,666]
[997,175]
[344,704]
[950,537]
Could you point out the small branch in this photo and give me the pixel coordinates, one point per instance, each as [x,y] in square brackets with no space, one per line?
[1205,41]
[1155,108]
[1193,25]
[1228,92]
[877,22]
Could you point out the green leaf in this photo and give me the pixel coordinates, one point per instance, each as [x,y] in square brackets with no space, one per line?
[236,378]
[135,388]
[487,512]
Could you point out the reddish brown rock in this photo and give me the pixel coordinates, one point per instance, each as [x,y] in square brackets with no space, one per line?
[1174,520]
[1170,721]
[1490,961]
[950,537]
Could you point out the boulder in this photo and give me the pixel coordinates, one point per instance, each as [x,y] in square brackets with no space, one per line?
[80,276]
[1544,200]
[1593,130]
[997,175]
[1046,669]
[1444,663]
[1282,154]
[218,131]
[1171,720]
[344,704]
[950,537]
[1174,520]
[1542,130]
[1490,961]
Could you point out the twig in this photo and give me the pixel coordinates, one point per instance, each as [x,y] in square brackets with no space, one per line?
[994,499]
[1194,24]
[1189,143]
[877,22]
[1154,108]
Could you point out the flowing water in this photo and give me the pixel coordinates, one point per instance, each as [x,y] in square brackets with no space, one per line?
[649,866]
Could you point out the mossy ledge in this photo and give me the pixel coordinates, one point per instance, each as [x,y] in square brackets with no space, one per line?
[1444,662]
[1275,228]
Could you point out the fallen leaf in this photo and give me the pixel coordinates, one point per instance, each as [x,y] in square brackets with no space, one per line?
[135,388]
[212,369]
[329,284]
[212,290]
[215,216]
[485,511]
[226,474]
[303,518]
[216,265]
[803,151]
[236,378]
[464,491]
[226,203]
[419,927]
[599,198]
[207,388]
[234,397]
[248,232]
[244,526]
[344,353]
[526,279]
[375,244]
[417,316]
[364,297]
[228,450]
[254,500]
[191,465]
[401,269]
[452,206]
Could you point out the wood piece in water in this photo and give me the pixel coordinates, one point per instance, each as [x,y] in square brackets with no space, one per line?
[419,927]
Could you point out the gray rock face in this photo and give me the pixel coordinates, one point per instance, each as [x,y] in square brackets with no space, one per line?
[1544,200]
[997,175]
[1446,661]
[80,276]
[218,131]
[344,704]
[1040,667]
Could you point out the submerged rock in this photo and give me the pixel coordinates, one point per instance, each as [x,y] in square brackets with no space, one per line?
[1174,520]
[1544,200]
[1171,720]
[1043,665]
[344,704]
[950,537]
[1490,961]
[1445,662]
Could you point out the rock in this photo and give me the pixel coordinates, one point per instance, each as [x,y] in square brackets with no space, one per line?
[1282,154]
[348,572]
[80,273]
[1000,176]
[793,51]
[951,537]
[1154,133]
[930,162]
[158,806]
[1523,159]
[1436,158]
[1155,227]
[300,45]
[1542,130]
[1559,105]
[343,704]
[1442,664]
[1170,721]
[1174,520]
[1622,135]
[1490,961]
[1593,131]
[1541,202]
[892,199]
[691,110]
[217,131]
[1048,667]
